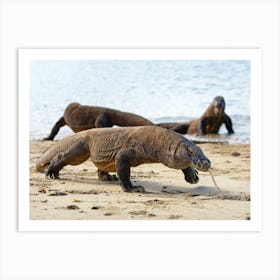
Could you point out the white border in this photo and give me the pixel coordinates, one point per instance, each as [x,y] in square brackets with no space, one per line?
[27,55]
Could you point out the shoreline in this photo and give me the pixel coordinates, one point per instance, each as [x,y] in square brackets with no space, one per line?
[220,139]
[79,195]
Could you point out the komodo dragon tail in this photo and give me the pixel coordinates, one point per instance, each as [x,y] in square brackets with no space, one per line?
[61,146]
[181,128]
[61,122]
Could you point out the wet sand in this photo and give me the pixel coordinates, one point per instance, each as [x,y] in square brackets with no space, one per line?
[79,195]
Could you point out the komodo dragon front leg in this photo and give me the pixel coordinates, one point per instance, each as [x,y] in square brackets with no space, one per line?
[191,175]
[124,160]
[60,123]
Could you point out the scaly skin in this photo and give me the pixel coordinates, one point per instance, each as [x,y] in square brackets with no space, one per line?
[79,117]
[119,149]
[209,122]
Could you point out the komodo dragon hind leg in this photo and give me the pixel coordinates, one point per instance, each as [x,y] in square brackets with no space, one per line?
[55,129]
[76,154]
[190,175]
[105,176]
[124,159]
[103,120]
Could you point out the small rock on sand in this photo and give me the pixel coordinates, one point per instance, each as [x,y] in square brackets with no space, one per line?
[73,207]
[58,193]
[108,214]
[138,213]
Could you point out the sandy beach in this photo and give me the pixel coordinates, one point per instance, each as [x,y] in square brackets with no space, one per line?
[79,195]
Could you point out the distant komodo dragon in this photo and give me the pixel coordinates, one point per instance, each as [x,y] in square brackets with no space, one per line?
[209,122]
[118,149]
[80,117]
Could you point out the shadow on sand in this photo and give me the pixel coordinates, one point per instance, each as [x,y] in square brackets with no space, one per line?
[154,188]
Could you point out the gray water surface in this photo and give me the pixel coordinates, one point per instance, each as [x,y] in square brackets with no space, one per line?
[159,90]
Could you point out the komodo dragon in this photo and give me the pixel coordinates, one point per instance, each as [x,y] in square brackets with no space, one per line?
[209,122]
[118,149]
[80,117]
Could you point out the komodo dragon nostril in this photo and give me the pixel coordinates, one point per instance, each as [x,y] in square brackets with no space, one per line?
[206,164]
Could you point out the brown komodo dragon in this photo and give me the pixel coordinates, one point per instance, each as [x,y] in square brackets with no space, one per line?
[118,149]
[209,122]
[80,117]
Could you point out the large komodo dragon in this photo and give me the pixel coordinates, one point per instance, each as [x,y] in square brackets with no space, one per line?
[80,117]
[118,149]
[209,122]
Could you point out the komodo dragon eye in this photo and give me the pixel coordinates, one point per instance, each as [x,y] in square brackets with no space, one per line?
[191,152]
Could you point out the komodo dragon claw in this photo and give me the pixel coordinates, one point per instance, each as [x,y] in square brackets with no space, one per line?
[191,175]
[105,176]
[138,189]
[54,174]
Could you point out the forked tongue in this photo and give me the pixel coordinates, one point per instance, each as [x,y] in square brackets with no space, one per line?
[213,179]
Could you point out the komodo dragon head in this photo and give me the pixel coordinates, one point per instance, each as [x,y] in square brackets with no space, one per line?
[219,105]
[190,155]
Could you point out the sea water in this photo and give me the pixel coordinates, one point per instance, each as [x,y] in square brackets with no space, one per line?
[159,90]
